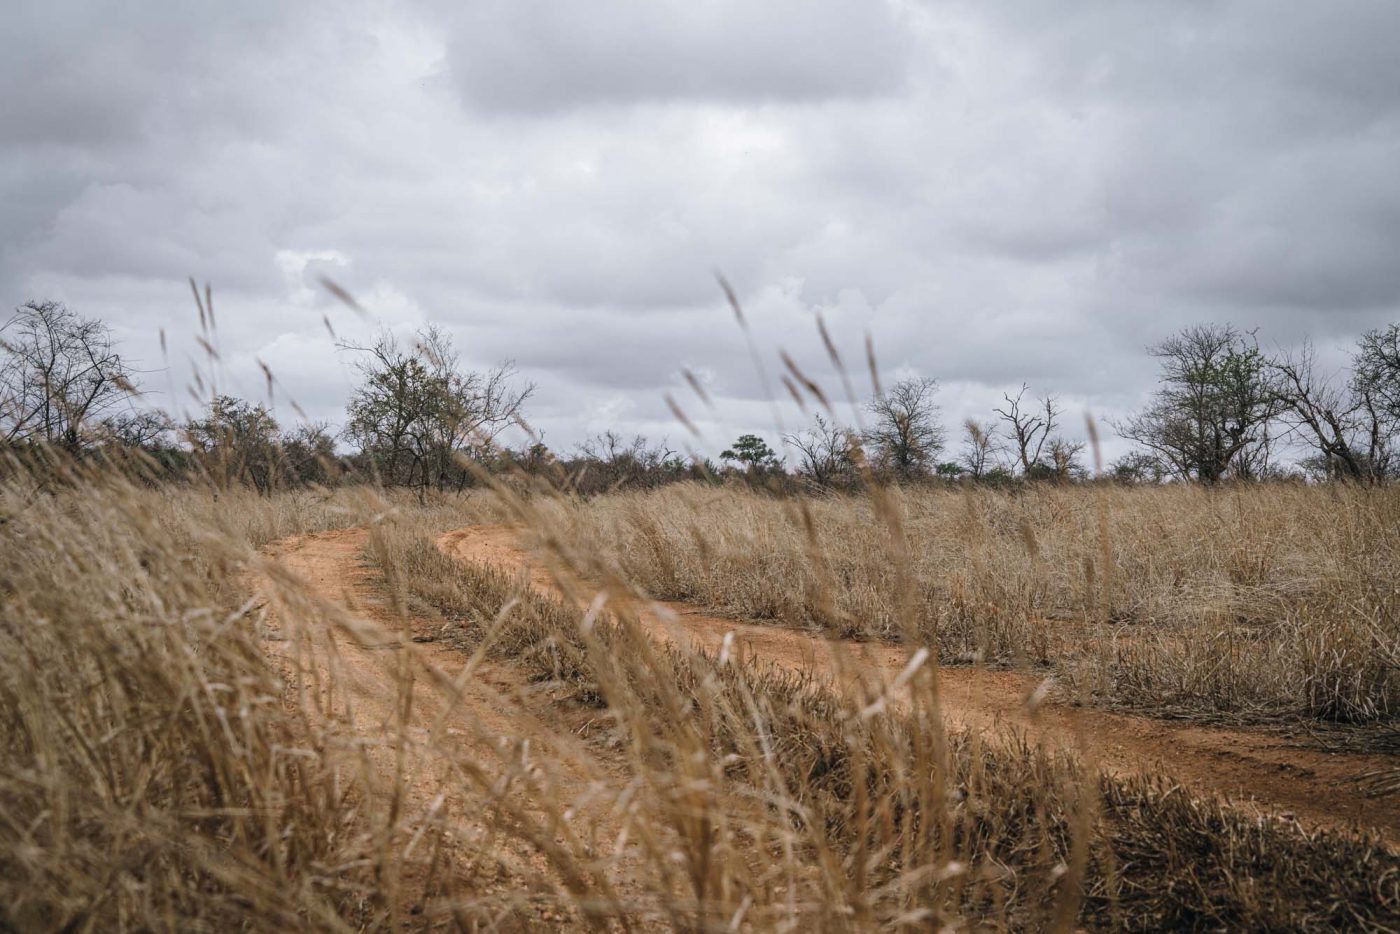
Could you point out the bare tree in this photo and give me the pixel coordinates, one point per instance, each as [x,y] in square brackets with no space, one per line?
[1350,425]
[826,453]
[60,374]
[142,430]
[1064,456]
[1376,369]
[609,461]
[417,412]
[905,436]
[1029,428]
[1213,405]
[980,448]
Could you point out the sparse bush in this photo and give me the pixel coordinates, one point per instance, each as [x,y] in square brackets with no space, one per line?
[152,776]
[1281,574]
[945,829]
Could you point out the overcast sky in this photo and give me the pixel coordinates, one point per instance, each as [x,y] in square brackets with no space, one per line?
[997,192]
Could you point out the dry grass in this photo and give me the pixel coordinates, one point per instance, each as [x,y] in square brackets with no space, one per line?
[152,776]
[884,820]
[161,771]
[1254,601]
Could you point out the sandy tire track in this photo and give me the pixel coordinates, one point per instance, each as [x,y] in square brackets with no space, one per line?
[353,671]
[1260,770]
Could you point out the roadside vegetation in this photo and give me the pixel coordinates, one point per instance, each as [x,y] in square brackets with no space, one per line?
[152,776]
[1250,602]
[881,818]
[184,750]
[162,771]
[1224,412]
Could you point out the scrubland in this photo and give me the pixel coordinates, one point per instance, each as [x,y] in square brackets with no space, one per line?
[1255,601]
[152,775]
[176,757]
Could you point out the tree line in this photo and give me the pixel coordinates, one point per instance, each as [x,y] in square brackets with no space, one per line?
[1223,410]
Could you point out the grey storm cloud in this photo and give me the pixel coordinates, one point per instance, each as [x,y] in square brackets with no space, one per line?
[996,192]
[535,56]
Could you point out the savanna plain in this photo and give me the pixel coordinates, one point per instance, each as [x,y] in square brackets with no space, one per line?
[700,707]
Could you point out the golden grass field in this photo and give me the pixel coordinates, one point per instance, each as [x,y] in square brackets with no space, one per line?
[1052,708]
[1246,602]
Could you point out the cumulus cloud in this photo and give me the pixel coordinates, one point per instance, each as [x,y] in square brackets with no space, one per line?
[998,193]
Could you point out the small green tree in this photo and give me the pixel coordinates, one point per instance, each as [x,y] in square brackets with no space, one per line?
[1209,419]
[1138,467]
[418,413]
[753,453]
[949,470]
[236,441]
[308,455]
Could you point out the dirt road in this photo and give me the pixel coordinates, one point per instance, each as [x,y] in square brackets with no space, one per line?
[1261,770]
[407,716]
